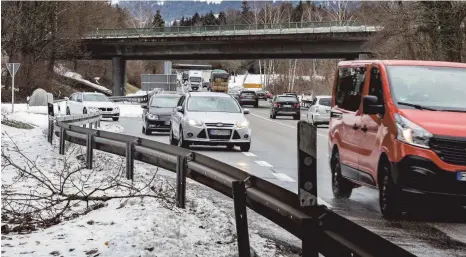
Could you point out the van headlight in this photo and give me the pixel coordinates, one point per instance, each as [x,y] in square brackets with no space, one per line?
[192,122]
[242,124]
[411,133]
[151,116]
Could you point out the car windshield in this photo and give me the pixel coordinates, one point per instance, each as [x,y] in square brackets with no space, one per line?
[287,99]
[95,98]
[164,102]
[195,79]
[441,88]
[213,104]
[325,101]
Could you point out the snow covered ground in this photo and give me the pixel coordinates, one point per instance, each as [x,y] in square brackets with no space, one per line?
[141,226]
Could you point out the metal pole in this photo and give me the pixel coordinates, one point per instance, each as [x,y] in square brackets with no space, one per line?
[89,150]
[239,201]
[13,92]
[129,160]
[307,164]
[62,141]
[181,170]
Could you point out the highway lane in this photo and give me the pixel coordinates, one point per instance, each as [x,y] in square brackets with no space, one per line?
[273,157]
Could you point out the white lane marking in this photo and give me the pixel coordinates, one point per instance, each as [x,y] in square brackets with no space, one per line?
[249,154]
[321,201]
[283,176]
[264,164]
[286,125]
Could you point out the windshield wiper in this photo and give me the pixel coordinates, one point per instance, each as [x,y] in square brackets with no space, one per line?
[417,106]
[453,110]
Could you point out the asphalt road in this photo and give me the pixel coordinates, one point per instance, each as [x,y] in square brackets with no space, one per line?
[273,157]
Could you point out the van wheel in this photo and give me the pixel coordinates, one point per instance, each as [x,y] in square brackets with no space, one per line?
[388,194]
[341,187]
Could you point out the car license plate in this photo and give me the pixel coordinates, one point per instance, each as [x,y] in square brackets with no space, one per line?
[461,176]
[167,122]
[216,132]
[287,105]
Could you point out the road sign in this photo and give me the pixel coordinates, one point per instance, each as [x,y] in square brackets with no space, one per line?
[12,68]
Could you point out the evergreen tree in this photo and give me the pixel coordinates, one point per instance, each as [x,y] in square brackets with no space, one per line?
[158,21]
[222,18]
[182,21]
[196,20]
[209,19]
[246,13]
[298,12]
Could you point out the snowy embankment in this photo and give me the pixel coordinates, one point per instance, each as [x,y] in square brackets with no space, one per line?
[75,76]
[113,223]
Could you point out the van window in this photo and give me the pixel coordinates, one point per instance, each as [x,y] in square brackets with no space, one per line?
[349,87]
[375,86]
[325,101]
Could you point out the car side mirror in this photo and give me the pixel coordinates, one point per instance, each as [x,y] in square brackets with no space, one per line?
[246,111]
[180,109]
[370,106]
[66,98]
[79,100]
[144,106]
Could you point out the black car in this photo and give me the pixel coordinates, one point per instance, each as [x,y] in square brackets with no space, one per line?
[285,105]
[262,95]
[156,115]
[248,97]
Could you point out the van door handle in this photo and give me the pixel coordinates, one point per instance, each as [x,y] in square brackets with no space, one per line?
[364,129]
[355,127]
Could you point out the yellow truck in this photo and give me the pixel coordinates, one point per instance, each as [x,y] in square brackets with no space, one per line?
[219,81]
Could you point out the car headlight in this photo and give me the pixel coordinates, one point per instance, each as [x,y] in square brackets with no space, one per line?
[151,116]
[411,133]
[192,122]
[242,124]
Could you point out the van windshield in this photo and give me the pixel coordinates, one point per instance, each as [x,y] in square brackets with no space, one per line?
[439,88]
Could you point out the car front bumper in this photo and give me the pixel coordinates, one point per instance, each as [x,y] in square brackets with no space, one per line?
[158,125]
[422,181]
[203,135]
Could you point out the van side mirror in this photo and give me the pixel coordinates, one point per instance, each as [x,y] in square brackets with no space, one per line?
[370,106]
[180,109]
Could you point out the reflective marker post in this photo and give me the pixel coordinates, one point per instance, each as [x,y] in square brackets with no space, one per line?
[12,68]
[307,185]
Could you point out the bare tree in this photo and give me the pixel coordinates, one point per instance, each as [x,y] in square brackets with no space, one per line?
[38,198]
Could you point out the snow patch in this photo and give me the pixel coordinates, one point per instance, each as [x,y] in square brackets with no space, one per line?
[73,75]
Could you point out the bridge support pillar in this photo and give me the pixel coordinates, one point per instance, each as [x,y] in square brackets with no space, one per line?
[118,75]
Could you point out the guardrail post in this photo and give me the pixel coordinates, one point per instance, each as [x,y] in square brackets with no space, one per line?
[181,171]
[310,239]
[61,147]
[89,150]
[50,131]
[239,201]
[307,164]
[130,160]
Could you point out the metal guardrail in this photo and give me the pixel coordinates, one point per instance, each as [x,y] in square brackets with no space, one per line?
[91,119]
[236,29]
[321,230]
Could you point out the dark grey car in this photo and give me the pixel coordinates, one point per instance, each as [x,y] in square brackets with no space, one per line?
[156,115]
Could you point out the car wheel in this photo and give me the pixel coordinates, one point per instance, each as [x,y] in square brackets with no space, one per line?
[181,142]
[274,116]
[68,111]
[230,146]
[296,117]
[388,194]
[143,130]
[172,139]
[84,111]
[341,187]
[115,118]
[256,105]
[147,131]
[245,147]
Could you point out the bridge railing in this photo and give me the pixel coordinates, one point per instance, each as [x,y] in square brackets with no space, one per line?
[236,29]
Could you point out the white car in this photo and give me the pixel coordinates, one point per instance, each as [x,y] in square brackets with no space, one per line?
[82,103]
[319,112]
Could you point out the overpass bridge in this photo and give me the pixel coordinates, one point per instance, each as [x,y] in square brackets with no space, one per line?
[341,39]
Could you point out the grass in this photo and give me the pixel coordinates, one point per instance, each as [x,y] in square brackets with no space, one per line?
[130,89]
[16,124]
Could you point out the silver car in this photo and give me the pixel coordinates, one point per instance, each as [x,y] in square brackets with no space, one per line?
[319,112]
[210,118]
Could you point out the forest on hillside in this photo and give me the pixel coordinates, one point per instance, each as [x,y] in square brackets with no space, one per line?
[31,33]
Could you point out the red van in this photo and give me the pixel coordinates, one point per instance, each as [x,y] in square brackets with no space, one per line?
[399,127]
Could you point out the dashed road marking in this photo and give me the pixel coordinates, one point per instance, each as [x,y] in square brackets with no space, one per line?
[264,164]
[284,177]
[249,154]
[283,124]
